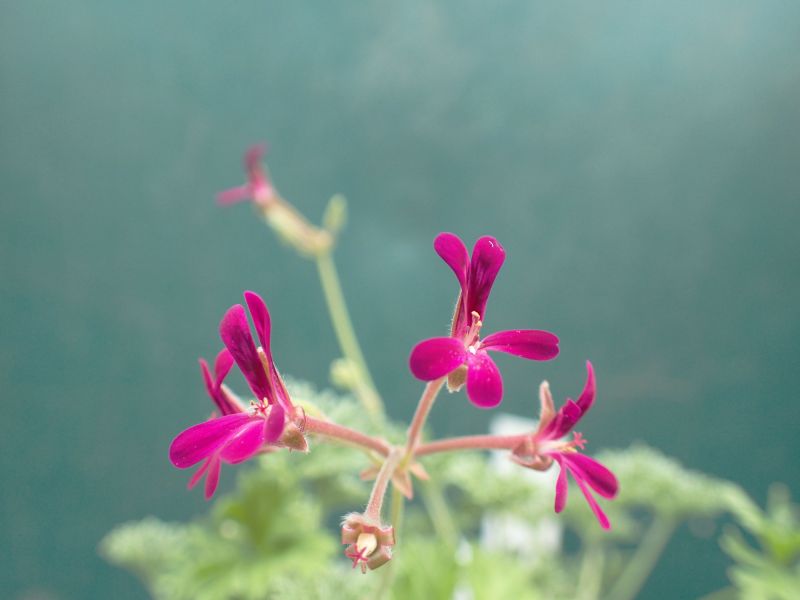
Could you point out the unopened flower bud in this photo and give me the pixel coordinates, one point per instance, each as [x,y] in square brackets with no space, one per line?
[335,215]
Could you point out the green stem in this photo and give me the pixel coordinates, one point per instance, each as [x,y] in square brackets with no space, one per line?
[345,334]
[644,559]
[590,577]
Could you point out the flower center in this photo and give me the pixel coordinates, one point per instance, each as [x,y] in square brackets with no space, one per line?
[577,441]
[366,543]
[472,338]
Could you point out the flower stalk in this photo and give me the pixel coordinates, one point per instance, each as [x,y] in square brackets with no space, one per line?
[471,442]
[363,387]
[347,435]
[421,416]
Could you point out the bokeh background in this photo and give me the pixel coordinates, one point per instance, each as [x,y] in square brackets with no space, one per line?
[639,161]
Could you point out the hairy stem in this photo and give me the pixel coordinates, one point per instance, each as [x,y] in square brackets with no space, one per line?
[471,442]
[347,435]
[421,415]
[375,503]
[644,559]
[396,518]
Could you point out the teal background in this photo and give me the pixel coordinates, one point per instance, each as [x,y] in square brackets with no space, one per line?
[639,161]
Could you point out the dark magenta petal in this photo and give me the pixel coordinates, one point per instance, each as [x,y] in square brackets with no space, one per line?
[204,439]
[222,366]
[247,441]
[487,258]
[599,478]
[275,423]
[484,383]
[212,477]
[436,357]
[598,512]
[565,419]
[235,333]
[207,379]
[214,391]
[561,487]
[586,398]
[260,316]
[453,251]
[262,322]
[532,344]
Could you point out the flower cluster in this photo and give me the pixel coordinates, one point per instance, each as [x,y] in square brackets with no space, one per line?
[238,431]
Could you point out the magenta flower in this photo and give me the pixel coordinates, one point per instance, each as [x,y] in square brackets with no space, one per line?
[464,350]
[547,445]
[238,434]
[258,188]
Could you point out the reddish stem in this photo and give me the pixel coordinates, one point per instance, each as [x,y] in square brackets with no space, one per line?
[347,435]
[373,510]
[472,442]
[421,415]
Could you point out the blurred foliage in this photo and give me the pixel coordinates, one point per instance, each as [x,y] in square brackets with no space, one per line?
[767,566]
[476,531]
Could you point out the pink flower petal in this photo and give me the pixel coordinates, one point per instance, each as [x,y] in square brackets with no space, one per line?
[222,366]
[262,323]
[207,379]
[484,383]
[201,440]
[598,512]
[198,474]
[586,398]
[565,419]
[453,251]
[436,357]
[561,486]
[275,423]
[247,441]
[599,478]
[212,479]
[487,258]
[532,344]
[234,195]
[260,316]
[235,333]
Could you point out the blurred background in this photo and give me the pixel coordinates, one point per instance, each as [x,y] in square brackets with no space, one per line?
[639,162]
